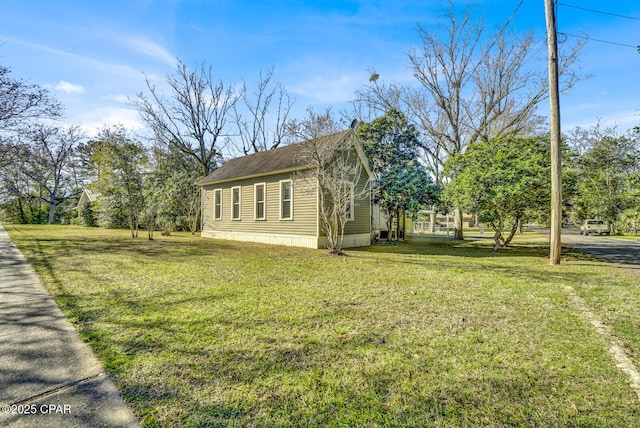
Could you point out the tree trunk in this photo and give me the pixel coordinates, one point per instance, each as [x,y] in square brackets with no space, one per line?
[52,203]
[397,223]
[151,225]
[396,220]
[333,240]
[457,218]
[497,237]
[432,221]
[131,226]
[21,211]
[52,211]
[514,229]
[389,226]
[195,208]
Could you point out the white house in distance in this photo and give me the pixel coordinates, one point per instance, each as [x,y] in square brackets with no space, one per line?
[86,197]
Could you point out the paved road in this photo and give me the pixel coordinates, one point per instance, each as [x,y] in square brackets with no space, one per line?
[614,250]
[623,252]
[48,376]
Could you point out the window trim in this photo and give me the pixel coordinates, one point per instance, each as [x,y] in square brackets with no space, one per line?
[264,201]
[281,183]
[217,192]
[233,189]
[352,211]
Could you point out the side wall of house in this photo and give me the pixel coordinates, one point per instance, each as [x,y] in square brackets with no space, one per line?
[361,223]
[300,230]
[357,232]
[303,229]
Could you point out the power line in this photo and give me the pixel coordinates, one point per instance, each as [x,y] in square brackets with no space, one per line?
[515,11]
[601,12]
[601,41]
[504,26]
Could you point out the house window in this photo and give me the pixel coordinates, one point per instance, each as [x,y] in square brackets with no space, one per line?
[286,200]
[235,203]
[260,197]
[217,204]
[350,204]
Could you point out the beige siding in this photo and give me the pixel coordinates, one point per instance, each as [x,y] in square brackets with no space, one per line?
[304,222]
[302,230]
[361,223]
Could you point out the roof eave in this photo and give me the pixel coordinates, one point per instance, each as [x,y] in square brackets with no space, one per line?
[252,176]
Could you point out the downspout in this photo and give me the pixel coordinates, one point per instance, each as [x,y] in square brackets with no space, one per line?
[201,208]
[318,234]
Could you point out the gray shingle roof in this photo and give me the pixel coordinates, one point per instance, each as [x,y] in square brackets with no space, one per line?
[263,163]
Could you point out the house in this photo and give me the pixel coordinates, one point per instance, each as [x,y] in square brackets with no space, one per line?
[272,197]
[86,197]
[430,221]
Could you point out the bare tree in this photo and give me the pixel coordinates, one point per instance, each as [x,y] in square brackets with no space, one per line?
[193,118]
[50,160]
[262,122]
[9,150]
[21,101]
[473,86]
[338,172]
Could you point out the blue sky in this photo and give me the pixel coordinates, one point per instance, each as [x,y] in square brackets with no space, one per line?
[92,54]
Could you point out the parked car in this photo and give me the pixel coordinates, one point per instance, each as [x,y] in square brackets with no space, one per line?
[594,226]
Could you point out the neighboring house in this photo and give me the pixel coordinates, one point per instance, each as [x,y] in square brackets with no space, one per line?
[86,197]
[268,197]
[86,209]
[429,221]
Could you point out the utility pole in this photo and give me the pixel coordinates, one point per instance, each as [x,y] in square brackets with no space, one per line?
[556,166]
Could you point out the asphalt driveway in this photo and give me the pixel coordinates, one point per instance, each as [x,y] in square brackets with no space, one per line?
[623,252]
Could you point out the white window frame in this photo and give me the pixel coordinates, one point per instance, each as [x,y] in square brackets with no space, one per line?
[264,201]
[352,211]
[217,193]
[282,182]
[233,189]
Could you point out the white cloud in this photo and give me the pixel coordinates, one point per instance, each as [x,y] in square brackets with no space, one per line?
[119,98]
[137,44]
[623,119]
[326,89]
[147,47]
[69,88]
[96,119]
[81,60]
[196,27]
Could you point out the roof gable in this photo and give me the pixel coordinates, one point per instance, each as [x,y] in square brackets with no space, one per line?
[86,197]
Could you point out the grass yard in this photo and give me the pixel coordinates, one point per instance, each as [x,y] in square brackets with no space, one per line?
[199,332]
[627,237]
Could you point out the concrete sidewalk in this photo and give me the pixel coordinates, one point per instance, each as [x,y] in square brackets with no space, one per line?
[48,376]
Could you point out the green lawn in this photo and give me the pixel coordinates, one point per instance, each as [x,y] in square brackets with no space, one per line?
[200,332]
[627,237]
